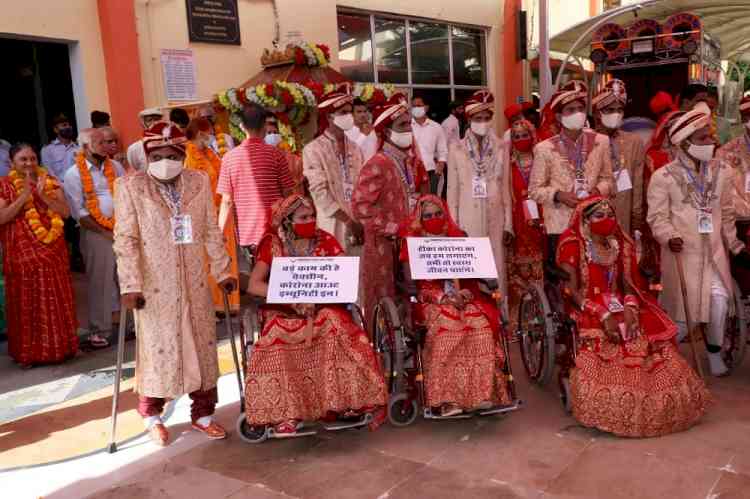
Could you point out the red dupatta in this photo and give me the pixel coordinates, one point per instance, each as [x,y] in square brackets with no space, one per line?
[654,321]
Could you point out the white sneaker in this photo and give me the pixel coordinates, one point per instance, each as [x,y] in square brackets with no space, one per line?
[717,365]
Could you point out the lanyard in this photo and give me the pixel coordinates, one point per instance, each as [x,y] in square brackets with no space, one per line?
[614,151]
[474,151]
[701,189]
[577,159]
[403,170]
[172,197]
[747,141]
[345,173]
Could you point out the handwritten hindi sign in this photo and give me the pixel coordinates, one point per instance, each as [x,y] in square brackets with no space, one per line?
[451,258]
[178,67]
[314,280]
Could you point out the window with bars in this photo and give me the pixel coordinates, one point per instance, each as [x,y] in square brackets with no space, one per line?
[436,60]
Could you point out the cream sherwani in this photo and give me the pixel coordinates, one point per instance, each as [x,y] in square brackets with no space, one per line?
[331,183]
[552,171]
[672,213]
[176,330]
[736,153]
[488,216]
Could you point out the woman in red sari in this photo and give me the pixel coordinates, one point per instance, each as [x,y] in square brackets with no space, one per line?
[526,256]
[39,294]
[463,356]
[629,378]
[311,361]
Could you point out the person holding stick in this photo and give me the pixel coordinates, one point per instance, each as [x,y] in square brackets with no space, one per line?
[629,378]
[165,232]
[692,216]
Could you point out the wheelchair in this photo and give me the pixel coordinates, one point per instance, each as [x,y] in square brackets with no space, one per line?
[547,336]
[251,325]
[399,340]
[736,331]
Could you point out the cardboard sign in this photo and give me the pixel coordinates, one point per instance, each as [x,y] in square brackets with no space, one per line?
[451,258]
[314,280]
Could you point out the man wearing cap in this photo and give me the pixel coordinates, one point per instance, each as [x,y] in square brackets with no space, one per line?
[88,189]
[384,195]
[569,166]
[331,164]
[58,155]
[627,155]
[135,154]
[736,154]
[691,214]
[429,138]
[478,185]
[166,229]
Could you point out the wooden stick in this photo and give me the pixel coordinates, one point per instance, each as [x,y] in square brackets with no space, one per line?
[688,318]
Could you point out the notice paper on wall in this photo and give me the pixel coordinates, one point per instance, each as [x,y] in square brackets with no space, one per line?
[178,68]
[314,280]
[451,258]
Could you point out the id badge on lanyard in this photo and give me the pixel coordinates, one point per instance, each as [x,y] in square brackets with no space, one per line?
[747,183]
[182,229]
[581,189]
[613,303]
[623,180]
[348,188]
[705,222]
[479,187]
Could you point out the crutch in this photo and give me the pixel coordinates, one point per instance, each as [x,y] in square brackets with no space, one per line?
[238,368]
[688,317]
[118,374]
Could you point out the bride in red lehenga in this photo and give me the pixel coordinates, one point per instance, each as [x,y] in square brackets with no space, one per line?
[629,379]
[311,362]
[463,355]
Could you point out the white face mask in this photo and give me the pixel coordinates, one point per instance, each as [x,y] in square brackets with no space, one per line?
[612,120]
[702,153]
[480,127]
[272,139]
[344,121]
[418,112]
[574,121]
[402,139]
[165,169]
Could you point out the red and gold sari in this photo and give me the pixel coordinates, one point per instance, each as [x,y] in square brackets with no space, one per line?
[208,162]
[39,294]
[306,370]
[637,388]
[463,355]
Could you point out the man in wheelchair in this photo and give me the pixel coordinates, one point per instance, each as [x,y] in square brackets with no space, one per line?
[629,378]
[311,362]
[463,357]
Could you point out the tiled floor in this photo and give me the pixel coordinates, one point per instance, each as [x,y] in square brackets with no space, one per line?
[538,452]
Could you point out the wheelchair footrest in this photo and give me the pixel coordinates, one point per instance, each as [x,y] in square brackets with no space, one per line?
[345,425]
[298,434]
[517,404]
[428,414]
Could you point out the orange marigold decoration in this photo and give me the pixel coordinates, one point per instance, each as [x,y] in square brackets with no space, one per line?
[221,141]
[33,219]
[89,193]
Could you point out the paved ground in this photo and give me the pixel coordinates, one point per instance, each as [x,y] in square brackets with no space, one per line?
[537,452]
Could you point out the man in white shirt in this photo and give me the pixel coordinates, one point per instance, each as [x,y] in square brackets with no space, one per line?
[430,138]
[362,132]
[96,230]
[452,124]
[4,158]
[136,155]
[59,154]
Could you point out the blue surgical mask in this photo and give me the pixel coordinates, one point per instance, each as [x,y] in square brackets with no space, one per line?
[273,139]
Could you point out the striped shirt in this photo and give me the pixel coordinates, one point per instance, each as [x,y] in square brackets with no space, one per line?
[255,175]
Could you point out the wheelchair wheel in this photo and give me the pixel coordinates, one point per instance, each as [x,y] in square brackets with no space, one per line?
[536,335]
[402,411]
[385,322]
[736,333]
[250,434]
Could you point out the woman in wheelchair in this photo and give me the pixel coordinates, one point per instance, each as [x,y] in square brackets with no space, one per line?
[311,362]
[628,379]
[463,355]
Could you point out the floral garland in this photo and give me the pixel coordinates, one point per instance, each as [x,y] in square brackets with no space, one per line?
[89,193]
[33,220]
[373,94]
[312,55]
[221,141]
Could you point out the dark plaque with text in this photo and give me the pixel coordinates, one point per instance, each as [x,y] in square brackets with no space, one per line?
[213,21]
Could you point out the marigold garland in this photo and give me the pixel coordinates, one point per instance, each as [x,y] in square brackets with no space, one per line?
[90,198]
[33,219]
